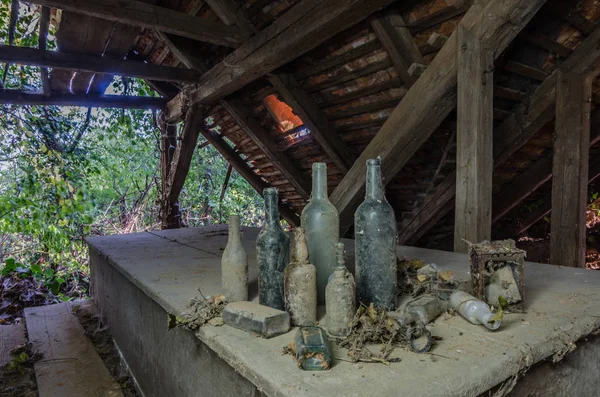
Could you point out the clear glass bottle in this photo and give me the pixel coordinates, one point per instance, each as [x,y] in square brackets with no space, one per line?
[320,220]
[375,236]
[234,264]
[272,254]
[340,298]
[300,283]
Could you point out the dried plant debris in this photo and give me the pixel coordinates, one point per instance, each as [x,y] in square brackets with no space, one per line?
[371,326]
[417,278]
[201,311]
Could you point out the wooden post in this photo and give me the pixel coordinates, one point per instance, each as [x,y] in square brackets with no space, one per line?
[169,212]
[475,159]
[570,169]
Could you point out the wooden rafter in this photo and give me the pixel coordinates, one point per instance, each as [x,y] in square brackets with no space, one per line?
[137,13]
[306,25]
[17,97]
[396,39]
[323,132]
[90,63]
[43,44]
[268,145]
[430,99]
[510,136]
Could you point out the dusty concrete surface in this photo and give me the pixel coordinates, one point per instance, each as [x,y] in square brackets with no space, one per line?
[168,268]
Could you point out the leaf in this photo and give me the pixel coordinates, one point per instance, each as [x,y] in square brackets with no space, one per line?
[36,270]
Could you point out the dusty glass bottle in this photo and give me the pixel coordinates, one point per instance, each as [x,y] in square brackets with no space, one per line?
[234,264]
[321,222]
[272,254]
[340,297]
[375,235]
[300,283]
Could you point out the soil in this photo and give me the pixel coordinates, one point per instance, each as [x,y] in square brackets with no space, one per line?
[17,378]
[105,346]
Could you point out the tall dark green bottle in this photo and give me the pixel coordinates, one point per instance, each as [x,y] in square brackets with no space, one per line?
[375,235]
[272,254]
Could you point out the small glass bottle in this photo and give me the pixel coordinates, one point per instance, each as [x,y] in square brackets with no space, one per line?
[300,283]
[234,264]
[320,220]
[375,236]
[340,299]
[272,254]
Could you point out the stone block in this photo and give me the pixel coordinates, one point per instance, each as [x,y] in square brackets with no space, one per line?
[252,317]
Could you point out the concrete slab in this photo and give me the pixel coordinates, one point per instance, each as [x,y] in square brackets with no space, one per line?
[70,366]
[11,336]
[562,308]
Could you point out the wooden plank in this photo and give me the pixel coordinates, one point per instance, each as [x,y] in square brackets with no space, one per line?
[436,18]
[71,366]
[94,64]
[137,13]
[306,25]
[11,336]
[570,14]
[548,44]
[570,169]
[430,99]
[231,14]
[474,129]
[320,128]
[17,97]
[513,133]
[525,71]
[396,39]
[267,144]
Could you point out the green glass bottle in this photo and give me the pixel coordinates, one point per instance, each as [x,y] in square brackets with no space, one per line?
[375,236]
[321,222]
[272,254]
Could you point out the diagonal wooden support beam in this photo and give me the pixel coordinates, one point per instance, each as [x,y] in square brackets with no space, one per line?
[94,64]
[510,136]
[430,99]
[137,13]
[245,171]
[323,132]
[268,145]
[306,25]
[396,39]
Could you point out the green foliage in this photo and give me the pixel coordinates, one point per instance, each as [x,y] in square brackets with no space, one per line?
[68,173]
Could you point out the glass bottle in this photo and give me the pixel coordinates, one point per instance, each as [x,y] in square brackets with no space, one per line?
[234,264]
[300,283]
[320,220]
[375,236]
[340,298]
[272,254]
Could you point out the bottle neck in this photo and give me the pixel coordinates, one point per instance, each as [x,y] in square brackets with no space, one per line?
[374,181]
[271,210]
[234,228]
[319,181]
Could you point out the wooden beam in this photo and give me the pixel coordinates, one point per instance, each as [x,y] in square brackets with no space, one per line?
[137,13]
[474,129]
[268,145]
[17,97]
[306,25]
[231,14]
[90,63]
[570,169]
[430,99]
[396,39]
[314,118]
[248,173]
[169,211]
[43,44]
[509,136]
